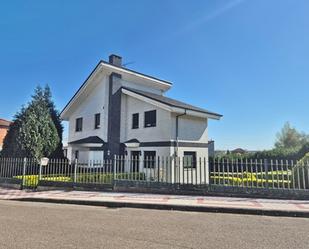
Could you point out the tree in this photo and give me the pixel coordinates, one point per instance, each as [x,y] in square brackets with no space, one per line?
[11,144]
[34,130]
[55,115]
[289,138]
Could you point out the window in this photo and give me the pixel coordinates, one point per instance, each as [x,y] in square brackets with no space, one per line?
[76,154]
[79,124]
[151,118]
[149,159]
[97,121]
[135,121]
[189,159]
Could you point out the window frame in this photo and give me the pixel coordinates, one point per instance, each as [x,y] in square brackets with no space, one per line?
[192,164]
[150,161]
[135,126]
[97,121]
[78,126]
[153,123]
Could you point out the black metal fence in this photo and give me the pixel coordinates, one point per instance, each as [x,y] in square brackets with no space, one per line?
[274,174]
[187,171]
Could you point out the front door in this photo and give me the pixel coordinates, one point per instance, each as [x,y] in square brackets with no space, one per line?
[135,161]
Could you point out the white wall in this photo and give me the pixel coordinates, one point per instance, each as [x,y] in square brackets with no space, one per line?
[200,173]
[163,152]
[171,172]
[140,87]
[130,105]
[190,128]
[95,102]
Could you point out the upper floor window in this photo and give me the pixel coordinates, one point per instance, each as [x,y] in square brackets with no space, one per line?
[135,121]
[97,121]
[151,118]
[79,124]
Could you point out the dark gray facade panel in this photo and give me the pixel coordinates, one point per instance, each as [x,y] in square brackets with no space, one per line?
[173,144]
[114,116]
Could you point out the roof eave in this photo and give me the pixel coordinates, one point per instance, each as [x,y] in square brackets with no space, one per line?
[63,113]
[175,109]
[101,63]
[196,113]
[126,70]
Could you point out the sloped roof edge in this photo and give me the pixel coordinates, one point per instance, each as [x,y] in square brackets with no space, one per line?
[171,102]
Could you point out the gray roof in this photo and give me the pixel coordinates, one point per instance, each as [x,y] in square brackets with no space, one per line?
[130,70]
[120,67]
[88,140]
[134,140]
[171,102]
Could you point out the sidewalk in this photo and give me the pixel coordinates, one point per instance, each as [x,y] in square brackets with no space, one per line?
[292,208]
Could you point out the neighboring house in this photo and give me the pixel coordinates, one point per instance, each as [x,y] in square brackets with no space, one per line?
[4,127]
[239,151]
[118,111]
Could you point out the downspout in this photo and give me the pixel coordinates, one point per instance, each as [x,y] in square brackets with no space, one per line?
[177,131]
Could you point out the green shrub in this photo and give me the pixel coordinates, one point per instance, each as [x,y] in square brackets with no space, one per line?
[33,180]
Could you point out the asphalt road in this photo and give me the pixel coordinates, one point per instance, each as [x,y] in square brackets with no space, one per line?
[41,225]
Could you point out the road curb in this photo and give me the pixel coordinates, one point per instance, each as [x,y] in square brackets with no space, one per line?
[214,209]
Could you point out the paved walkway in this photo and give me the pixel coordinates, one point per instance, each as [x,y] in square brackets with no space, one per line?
[178,202]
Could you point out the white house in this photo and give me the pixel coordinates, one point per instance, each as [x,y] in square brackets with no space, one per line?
[118,111]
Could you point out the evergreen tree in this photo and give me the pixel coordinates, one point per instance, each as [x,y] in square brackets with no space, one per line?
[35,131]
[55,115]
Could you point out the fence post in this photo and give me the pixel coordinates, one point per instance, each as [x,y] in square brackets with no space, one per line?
[266,172]
[40,171]
[75,169]
[24,173]
[210,168]
[158,166]
[114,169]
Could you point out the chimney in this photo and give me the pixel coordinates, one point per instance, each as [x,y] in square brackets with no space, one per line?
[115,60]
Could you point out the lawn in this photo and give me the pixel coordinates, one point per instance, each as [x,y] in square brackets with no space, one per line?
[96,178]
[280,178]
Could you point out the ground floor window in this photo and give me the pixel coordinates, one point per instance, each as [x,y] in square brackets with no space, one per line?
[189,159]
[76,154]
[135,157]
[149,159]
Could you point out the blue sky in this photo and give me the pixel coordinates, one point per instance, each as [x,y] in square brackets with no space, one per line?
[246,59]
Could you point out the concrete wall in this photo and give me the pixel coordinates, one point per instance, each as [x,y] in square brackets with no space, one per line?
[137,86]
[163,152]
[162,132]
[200,174]
[190,128]
[173,171]
[95,102]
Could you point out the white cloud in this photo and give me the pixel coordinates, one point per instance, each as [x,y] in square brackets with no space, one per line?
[210,16]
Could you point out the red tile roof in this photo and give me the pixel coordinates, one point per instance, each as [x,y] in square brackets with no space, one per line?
[4,123]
